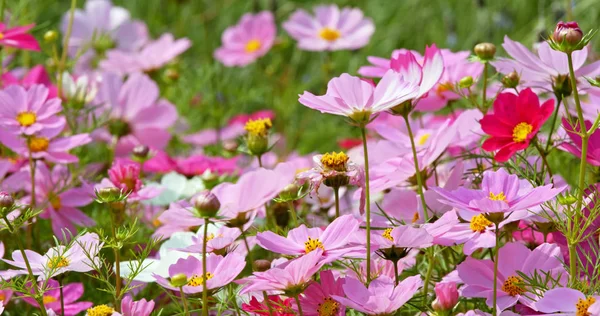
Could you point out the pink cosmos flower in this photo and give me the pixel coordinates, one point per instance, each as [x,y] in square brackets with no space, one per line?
[248,40]
[330,29]
[129,307]
[478,275]
[71,293]
[317,300]
[302,240]
[29,111]
[152,56]
[427,75]
[219,241]
[381,297]
[354,97]
[593,151]
[137,114]
[402,237]
[60,259]
[568,301]
[18,37]
[295,274]
[382,267]
[446,296]
[220,271]
[35,75]
[125,176]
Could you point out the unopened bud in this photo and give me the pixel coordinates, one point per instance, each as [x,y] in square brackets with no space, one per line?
[568,32]
[108,195]
[289,192]
[511,80]
[485,51]
[261,265]
[446,296]
[50,36]
[566,199]
[179,279]
[465,82]
[6,200]
[230,146]
[206,203]
[141,151]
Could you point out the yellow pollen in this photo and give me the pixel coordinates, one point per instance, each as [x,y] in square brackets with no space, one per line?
[210,237]
[2,296]
[329,307]
[443,87]
[252,46]
[512,286]
[387,234]
[521,131]
[479,223]
[100,310]
[329,34]
[197,280]
[583,305]
[335,161]
[259,127]
[423,139]
[26,118]
[37,144]
[55,201]
[58,262]
[415,217]
[497,197]
[49,299]
[1,36]
[299,171]
[156,222]
[312,244]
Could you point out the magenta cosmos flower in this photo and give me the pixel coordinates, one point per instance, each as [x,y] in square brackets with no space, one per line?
[478,275]
[137,114]
[593,152]
[220,271]
[18,37]
[71,293]
[248,40]
[28,111]
[317,300]
[568,301]
[500,192]
[291,276]
[35,75]
[381,297]
[151,57]
[125,175]
[359,99]
[129,307]
[302,240]
[330,29]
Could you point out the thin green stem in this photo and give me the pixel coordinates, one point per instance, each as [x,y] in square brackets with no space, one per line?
[496,254]
[573,262]
[544,159]
[247,246]
[268,303]
[298,304]
[293,213]
[186,311]
[431,259]
[63,58]
[554,119]
[117,252]
[62,297]
[417,169]
[204,290]
[367,202]
[484,92]
[336,193]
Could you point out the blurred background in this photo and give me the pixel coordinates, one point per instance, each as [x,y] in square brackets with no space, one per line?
[208,94]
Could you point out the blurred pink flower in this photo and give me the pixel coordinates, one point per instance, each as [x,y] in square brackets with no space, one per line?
[248,40]
[129,307]
[330,29]
[125,175]
[29,111]
[35,75]
[574,147]
[18,37]
[446,296]
[71,293]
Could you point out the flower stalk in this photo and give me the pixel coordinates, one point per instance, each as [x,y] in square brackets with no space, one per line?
[368,201]
[417,169]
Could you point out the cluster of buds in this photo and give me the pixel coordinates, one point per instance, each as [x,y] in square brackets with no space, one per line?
[568,37]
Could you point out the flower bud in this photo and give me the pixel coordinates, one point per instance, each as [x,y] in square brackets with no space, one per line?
[108,195]
[566,199]
[568,32]
[230,146]
[261,265]
[50,36]
[206,203]
[446,296]
[179,279]
[561,85]
[511,80]
[141,152]
[289,192]
[6,200]
[485,51]
[465,82]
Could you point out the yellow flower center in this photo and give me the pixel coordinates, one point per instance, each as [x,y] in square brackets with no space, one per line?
[335,161]
[479,223]
[259,127]
[443,87]
[312,244]
[210,237]
[423,139]
[156,222]
[497,197]
[252,46]
[415,217]
[2,296]
[49,299]
[329,34]
[26,118]
[55,201]
[387,234]
[1,36]
[58,262]
[100,310]
[329,307]
[521,131]
[583,305]
[512,286]
[37,144]
[197,280]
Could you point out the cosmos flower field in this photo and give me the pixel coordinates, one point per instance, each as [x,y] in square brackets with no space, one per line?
[295,158]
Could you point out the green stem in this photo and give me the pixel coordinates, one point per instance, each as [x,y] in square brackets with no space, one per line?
[62,297]
[573,262]
[298,304]
[184,302]
[396,276]
[431,259]
[268,303]
[117,252]
[336,193]
[484,92]
[554,119]
[293,213]
[544,160]
[32,202]
[247,246]
[496,254]
[204,290]
[417,169]
[63,58]
[367,202]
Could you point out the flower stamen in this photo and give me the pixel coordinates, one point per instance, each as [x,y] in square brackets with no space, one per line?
[312,244]
[479,223]
[521,131]
[197,280]
[329,34]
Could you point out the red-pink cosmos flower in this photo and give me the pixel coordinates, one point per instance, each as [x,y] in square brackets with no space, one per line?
[18,37]
[514,123]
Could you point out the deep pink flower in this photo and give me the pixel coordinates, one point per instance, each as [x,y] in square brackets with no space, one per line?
[71,293]
[18,37]
[35,75]
[317,300]
[446,296]
[248,40]
[330,29]
[282,307]
[29,111]
[125,175]
[593,151]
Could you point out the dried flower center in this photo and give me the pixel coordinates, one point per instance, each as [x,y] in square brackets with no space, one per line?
[100,310]
[387,234]
[329,307]
[58,262]
[329,34]
[312,244]
[252,46]
[26,118]
[37,144]
[49,299]
[423,139]
[521,131]
[497,197]
[197,280]
[335,161]
[479,223]
[55,201]
[583,305]
[512,286]
[259,127]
